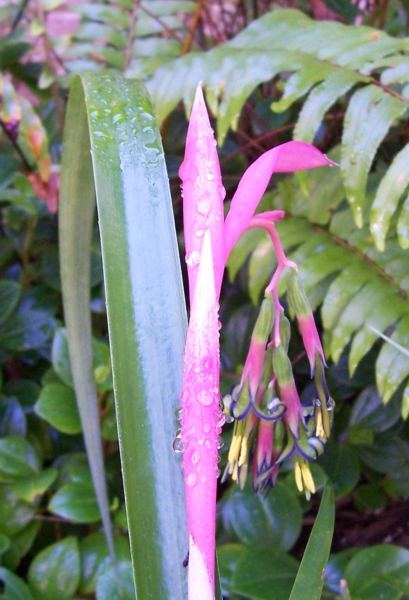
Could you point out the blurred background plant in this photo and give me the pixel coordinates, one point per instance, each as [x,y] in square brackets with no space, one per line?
[332,72]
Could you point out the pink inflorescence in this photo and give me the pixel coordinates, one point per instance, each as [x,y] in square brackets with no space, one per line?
[265,405]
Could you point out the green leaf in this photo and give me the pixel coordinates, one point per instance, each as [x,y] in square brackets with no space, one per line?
[342,467]
[115,582]
[228,556]
[31,487]
[14,587]
[369,115]
[309,581]
[18,459]
[273,520]
[390,190]
[95,558]
[15,514]
[9,295]
[57,405]
[261,572]
[366,571]
[403,225]
[392,366]
[113,118]
[4,543]
[320,100]
[21,543]
[55,571]
[76,502]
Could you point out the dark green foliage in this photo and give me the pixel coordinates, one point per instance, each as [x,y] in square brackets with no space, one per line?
[286,74]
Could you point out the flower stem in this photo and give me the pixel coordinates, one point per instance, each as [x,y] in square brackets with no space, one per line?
[282,263]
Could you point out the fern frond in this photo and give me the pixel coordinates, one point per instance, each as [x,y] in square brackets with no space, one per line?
[323,61]
[136,37]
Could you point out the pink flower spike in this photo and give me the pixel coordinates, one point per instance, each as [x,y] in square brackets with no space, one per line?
[286,158]
[311,339]
[200,427]
[203,194]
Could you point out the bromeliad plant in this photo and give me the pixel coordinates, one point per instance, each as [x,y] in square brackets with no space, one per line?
[113,152]
[265,404]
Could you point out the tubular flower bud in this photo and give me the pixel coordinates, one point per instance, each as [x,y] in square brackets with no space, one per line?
[300,307]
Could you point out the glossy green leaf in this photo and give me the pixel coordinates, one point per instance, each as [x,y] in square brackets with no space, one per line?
[262,572]
[55,571]
[57,405]
[95,558]
[273,520]
[115,582]
[76,502]
[228,556]
[9,295]
[32,486]
[15,514]
[372,572]
[388,194]
[145,306]
[309,581]
[21,542]
[14,587]
[18,458]
[342,467]
[369,115]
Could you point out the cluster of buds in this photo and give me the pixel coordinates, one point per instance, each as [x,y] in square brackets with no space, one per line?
[270,422]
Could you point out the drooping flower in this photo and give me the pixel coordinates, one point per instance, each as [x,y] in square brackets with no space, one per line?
[208,242]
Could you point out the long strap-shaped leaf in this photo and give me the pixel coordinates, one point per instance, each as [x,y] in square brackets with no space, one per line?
[309,581]
[110,119]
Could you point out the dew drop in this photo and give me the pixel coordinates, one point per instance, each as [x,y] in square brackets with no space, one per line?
[206,427]
[203,479]
[178,445]
[190,480]
[220,444]
[229,419]
[196,369]
[195,457]
[208,444]
[221,421]
[199,233]
[201,441]
[203,207]
[209,176]
[193,259]
[218,473]
[205,398]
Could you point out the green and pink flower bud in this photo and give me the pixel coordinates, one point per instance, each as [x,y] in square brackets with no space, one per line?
[300,307]
[293,416]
